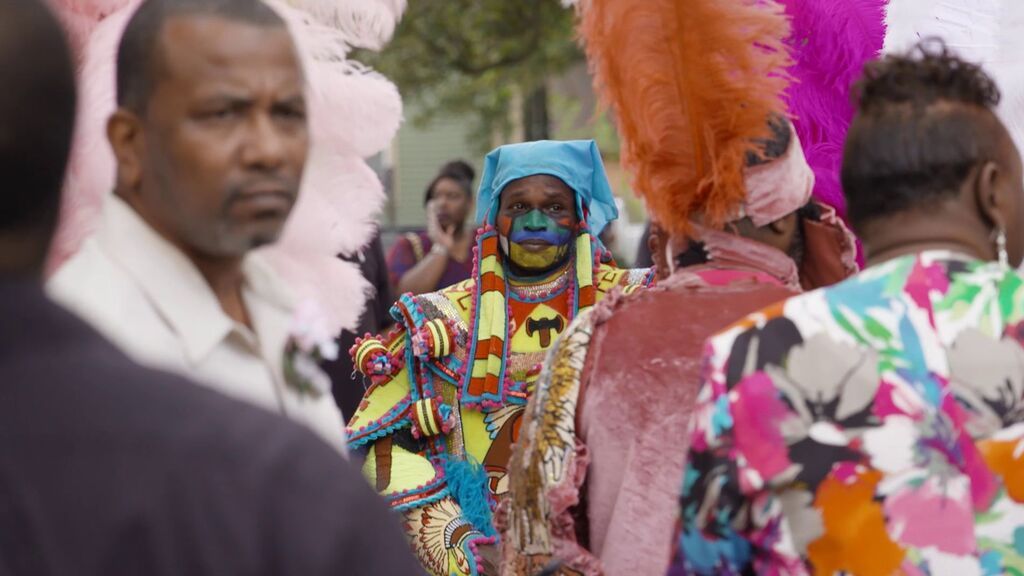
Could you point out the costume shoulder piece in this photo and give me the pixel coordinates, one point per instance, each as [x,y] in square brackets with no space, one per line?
[437,329]
[408,366]
[385,404]
[427,346]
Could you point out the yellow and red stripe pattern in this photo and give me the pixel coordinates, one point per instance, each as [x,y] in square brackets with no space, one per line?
[486,366]
[485,370]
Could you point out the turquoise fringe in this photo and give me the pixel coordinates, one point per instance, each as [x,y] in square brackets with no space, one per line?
[467,483]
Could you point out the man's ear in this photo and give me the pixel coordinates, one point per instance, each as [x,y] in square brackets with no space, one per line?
[987,195]
[124,132]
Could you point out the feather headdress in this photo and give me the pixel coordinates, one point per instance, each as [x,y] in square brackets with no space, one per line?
[830,42]
[691,85]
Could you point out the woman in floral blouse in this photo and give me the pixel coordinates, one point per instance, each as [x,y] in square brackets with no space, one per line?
[877,427]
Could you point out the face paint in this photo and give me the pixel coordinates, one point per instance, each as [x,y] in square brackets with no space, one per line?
[535,242]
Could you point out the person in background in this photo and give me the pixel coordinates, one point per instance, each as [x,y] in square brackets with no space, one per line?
[441,255]
[347,384]
[108,468]
[644,257]
[876,426]
[449,386]
[210,137]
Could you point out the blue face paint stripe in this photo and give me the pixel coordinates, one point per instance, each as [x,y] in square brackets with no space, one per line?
[558,238]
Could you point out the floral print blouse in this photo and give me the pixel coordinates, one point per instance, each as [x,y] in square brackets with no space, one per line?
[874,427]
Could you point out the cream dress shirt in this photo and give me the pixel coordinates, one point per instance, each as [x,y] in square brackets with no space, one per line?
[149,299]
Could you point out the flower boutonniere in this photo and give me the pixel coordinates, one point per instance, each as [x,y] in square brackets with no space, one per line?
[310,342]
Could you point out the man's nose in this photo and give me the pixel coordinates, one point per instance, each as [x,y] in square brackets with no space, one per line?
[534,221]
[266,146]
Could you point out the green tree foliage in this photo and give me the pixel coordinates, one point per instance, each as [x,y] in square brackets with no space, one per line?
[481,57]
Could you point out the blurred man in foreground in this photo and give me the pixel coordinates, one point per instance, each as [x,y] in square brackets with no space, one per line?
[211,138]
[107,468]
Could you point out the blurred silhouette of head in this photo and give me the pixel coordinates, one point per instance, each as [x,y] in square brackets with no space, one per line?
[37,116]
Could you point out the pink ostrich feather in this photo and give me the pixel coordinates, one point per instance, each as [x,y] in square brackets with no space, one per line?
[354,113]
[80,17]
[831,42]
[91,167]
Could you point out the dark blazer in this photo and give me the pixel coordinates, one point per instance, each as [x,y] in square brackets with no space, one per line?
[348,384]
[107,468]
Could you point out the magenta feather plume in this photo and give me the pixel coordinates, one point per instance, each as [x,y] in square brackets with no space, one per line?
[831,41]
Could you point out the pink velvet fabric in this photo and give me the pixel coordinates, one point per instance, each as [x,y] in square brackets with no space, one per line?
[640,379]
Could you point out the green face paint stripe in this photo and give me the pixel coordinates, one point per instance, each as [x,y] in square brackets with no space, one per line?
[537,224]
[534,219]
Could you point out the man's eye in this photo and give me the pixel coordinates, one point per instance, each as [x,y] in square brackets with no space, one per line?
[556,208]
[291,113]
[217,114]
[518,206]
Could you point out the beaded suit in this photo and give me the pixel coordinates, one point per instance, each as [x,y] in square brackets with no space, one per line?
[450,383]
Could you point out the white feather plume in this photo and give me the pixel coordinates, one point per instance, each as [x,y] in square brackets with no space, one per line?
[988,32]
[363,23]
[967,26]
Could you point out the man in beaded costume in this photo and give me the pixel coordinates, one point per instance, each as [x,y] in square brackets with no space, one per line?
[594,477]
[451,381]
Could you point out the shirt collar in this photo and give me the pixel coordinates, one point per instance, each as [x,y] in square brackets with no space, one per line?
[174,285]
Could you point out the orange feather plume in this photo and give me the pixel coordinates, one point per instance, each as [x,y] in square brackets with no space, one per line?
[691,84]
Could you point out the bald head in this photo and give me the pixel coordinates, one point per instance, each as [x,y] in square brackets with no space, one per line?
[37,112]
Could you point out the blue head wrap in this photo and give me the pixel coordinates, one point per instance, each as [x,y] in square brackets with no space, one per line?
[575,162]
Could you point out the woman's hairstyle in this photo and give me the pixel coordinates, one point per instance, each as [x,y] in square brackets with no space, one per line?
[458,170]
[925,119]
